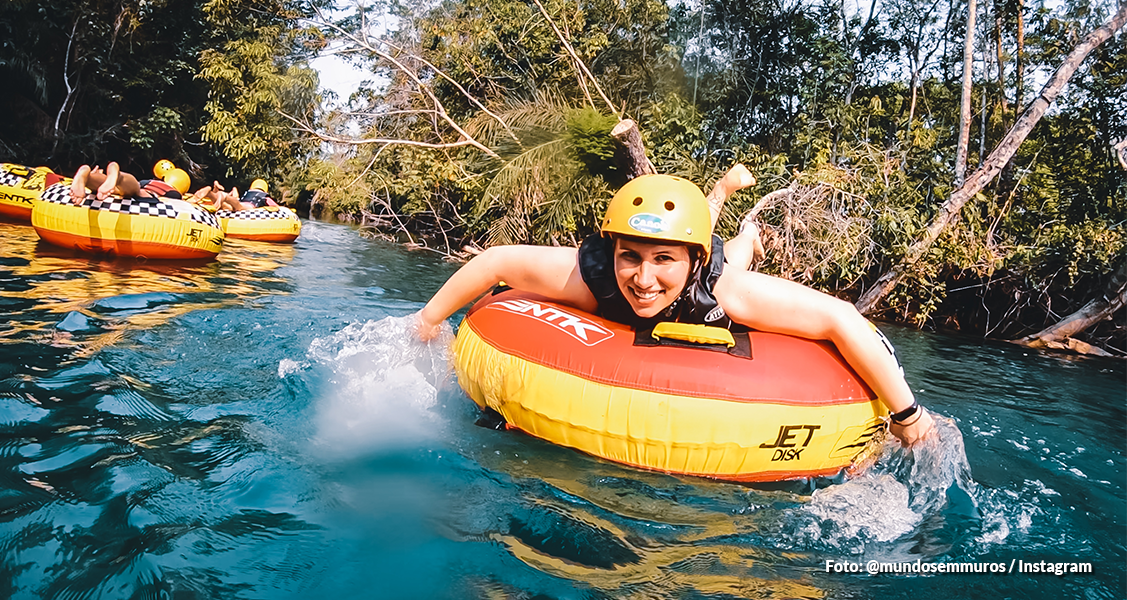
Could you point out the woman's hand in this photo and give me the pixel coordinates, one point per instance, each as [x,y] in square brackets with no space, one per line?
[916,429]
[424,330]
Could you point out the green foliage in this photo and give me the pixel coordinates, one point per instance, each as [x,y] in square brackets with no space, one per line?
[499,49]
[588,134]
[256,77]
[550,187]
[144,132]
[135,80]
[91,80]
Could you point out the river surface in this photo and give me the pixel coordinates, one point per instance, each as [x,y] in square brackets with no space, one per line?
[261,426]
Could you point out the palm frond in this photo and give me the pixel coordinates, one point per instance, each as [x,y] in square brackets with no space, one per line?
[544,111]
[514,175]
[33,70]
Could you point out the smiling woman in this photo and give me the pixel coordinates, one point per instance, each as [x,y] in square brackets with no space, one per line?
[651,276]
[656,261]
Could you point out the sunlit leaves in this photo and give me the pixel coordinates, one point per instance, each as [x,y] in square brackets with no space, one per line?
[254,75]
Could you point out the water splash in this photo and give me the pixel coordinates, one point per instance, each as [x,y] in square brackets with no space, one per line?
[383,385]
[890,499]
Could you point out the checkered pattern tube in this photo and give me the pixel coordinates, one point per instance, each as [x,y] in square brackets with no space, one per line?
[152,207]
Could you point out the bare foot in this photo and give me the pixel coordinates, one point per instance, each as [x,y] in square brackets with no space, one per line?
[202,195]
[78,185]
[737,178]
[110,183]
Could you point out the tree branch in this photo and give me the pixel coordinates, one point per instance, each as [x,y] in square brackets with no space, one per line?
[468,96]
[575,57]
[439,110]
[301,125]
[629,151]
[1058,336]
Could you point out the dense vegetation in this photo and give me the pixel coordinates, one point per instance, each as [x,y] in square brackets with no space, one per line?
[482,127]
[197,81]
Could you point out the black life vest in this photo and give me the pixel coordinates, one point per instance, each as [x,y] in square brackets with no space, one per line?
[258,198]
[159,189]
[697,304]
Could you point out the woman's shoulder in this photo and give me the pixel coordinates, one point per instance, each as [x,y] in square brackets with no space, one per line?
[551,271]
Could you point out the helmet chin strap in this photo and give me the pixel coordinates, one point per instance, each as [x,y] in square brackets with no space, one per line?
[697,263]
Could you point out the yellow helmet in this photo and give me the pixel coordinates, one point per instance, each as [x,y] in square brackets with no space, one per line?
[661,208]
[162,167]
[260,185]
[178,179]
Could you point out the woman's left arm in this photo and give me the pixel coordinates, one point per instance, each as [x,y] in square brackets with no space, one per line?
[776,305]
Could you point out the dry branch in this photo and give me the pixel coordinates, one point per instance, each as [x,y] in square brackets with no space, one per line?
[1059,336]
[964,104]
[630,155]
[362,44]
[303,126]
[575,57]
[812,236]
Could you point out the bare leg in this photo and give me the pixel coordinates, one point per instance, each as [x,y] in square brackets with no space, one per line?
[746,248]
[203,195]
[78,185]
[230,203]
[126,185]
[218,194]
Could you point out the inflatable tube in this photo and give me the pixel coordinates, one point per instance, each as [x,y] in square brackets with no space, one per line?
[787,408]
[19,187]
[269,224]
[157,228]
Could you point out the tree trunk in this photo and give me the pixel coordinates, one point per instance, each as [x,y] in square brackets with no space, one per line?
[1001,60]
[1019,72]
[629,152]
[912,105]
[1058,336]
[964,106]
[71,89]
[869,301]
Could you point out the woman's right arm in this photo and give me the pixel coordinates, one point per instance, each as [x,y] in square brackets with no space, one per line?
[549,271]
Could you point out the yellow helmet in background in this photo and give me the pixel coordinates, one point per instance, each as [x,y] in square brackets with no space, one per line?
[162,168]
[260,185]
[663,208]
[178,178]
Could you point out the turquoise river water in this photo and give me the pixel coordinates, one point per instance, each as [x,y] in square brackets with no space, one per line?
[261,426]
